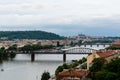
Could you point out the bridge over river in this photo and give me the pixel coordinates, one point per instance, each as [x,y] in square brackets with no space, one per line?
[72,50]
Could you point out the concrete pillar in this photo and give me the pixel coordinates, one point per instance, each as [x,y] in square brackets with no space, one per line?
[64,57]
[91,45]
[32,57]
[103,45]
[97,45]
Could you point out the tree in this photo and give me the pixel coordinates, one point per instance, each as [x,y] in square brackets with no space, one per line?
[42,35]
[13,47]
[105,75]
[45,76]
[3,48]
[12,55]
[114,65]
[59,69]
[79,42]
[97,64]
[111,76]
[100,75]
[58,43]
[75,64]
[1,54]
[113,48]
[84,59]
[65,66]
[72,43]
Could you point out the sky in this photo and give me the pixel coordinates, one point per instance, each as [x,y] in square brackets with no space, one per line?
[64,17]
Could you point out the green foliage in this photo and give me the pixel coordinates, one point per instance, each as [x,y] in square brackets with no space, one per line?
[75,64]
[82,60]
[114,65]
[6,56]
[68,66]
[113,48]
[59,69]
[104,75]
[27,47]
[2,48]
[84,66]
[58,43]
[65,66]
[71,43]
[100,75]
[12,55]
[30,35]
[13,47]
[98,41]
[79,42]
[110,71]
[97,64]
[111,76]
[1,54]
[45,76]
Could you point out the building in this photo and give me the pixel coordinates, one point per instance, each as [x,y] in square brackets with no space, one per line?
[116,43]
[73,74]
[107,55]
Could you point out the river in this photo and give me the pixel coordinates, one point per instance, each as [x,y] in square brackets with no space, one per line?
[21,68]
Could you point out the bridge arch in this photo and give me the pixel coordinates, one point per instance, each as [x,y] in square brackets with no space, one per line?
[79,50]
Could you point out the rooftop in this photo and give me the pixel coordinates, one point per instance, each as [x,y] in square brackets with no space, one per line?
[116,43]
[73,73]
[107,53]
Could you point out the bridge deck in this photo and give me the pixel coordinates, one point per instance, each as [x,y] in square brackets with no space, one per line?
[35,52]
[49,53]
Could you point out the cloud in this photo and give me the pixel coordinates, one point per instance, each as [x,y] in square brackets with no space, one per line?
[81,14]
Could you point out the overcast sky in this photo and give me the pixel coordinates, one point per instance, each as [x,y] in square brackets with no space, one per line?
[65,17]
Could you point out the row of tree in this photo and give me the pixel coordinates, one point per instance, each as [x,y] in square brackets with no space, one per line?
[11,55]
[113,48]
[6,56]
[11,35]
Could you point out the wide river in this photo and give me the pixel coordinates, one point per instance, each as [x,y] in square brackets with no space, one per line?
[21,68]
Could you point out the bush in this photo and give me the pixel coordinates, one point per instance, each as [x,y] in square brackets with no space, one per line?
[12,55]
[59,69]
[104,75]
[45,76]
[65,66]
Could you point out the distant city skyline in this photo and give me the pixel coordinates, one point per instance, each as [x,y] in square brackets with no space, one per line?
[64,17]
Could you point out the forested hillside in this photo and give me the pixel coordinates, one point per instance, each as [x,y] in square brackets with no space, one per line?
[10,35]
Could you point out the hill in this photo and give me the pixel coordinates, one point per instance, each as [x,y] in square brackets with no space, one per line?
[10,35]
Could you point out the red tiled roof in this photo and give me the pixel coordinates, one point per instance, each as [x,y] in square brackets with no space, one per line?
[107,53]
[73,73]
[116,43]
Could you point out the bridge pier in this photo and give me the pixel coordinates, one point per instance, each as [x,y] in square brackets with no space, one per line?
[97,45]
[32,57]
[103,45]
[64,57]
[91,45]
[84,45]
